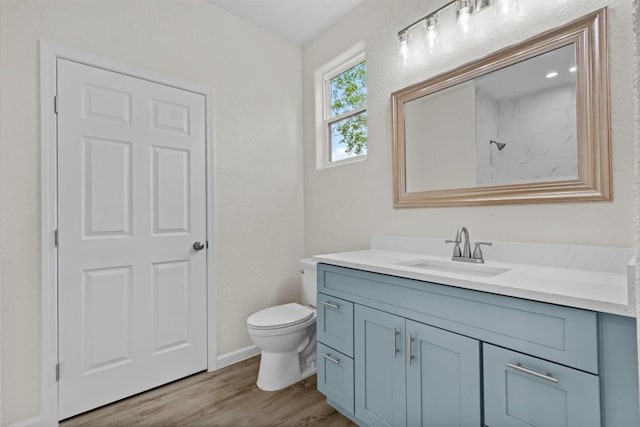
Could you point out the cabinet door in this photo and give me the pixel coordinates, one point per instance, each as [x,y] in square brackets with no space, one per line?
[526,391]
[380,381]
[443,378]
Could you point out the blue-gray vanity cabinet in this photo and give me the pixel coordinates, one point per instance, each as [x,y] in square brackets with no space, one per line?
[335,377]
[334,326]
[461,341]
[443,378]
[408,373]
[335,323]
[523,391]
[380,381]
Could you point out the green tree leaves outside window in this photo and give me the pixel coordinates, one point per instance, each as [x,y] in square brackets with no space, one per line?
[349,92]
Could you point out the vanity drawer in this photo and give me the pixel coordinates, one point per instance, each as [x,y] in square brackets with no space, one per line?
[524,391]
[335,323]
[335,377]
[565,335]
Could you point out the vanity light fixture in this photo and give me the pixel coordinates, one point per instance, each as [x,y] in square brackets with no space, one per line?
[403,51]
[432,39]
[465,17]
[464,13]
[506,9]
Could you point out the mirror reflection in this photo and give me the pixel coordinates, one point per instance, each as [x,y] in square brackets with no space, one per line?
[515,125]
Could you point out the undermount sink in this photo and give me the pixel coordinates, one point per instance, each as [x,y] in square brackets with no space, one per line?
[457,267]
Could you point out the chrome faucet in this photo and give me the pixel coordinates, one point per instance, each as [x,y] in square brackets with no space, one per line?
[464,255]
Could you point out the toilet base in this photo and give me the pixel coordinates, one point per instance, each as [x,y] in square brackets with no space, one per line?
[280,370]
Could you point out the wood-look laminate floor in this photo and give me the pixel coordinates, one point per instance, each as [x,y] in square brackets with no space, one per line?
[228,397]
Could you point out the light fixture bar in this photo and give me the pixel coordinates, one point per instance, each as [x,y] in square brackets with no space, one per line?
[425,18]
[479,6]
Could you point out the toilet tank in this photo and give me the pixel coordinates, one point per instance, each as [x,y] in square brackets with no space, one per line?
[309,279]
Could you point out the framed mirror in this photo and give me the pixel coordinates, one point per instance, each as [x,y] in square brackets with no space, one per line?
[527,124]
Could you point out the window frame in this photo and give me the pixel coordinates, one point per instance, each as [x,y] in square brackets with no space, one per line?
[323,76]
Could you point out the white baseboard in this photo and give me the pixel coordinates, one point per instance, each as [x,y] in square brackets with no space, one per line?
[29,422]
[237,356]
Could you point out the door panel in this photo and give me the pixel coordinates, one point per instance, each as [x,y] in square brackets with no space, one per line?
[107,182]
[171,204]
[106,318]
[380,381]
[131,202]
[443,378]
[170,288]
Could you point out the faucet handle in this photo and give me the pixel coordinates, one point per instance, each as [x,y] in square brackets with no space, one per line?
[477,252]
[456,249]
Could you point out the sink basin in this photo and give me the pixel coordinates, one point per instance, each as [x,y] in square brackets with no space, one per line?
[457,267]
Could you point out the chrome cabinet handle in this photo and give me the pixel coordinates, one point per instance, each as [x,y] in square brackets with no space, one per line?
[519,367]
[396,350]
[410,355]
[198,246]
[331,359]
[331,305]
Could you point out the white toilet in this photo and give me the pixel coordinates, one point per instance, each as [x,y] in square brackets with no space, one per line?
[286,334]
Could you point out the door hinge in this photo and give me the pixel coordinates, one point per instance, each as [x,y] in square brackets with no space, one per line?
[55,105]
[56,238]
[57,372]
[206,244]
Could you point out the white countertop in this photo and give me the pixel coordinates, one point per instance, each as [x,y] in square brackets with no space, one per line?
[602,291]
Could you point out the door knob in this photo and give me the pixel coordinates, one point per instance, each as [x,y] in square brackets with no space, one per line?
[198,246]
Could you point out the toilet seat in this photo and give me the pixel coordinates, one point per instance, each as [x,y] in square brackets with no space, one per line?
[280,316]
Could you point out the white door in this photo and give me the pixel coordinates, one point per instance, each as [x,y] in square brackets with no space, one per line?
[131,205]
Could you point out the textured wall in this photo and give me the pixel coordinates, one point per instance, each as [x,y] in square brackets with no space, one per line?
[258,172]
[344,205]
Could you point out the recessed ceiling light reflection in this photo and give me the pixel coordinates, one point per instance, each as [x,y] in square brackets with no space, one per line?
[552,74]
[573,69]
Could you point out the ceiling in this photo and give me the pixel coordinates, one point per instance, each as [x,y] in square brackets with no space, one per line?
[299,21]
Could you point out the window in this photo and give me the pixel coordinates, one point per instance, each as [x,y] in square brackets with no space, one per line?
[342,122]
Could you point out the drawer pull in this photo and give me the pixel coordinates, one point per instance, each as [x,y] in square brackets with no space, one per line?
[331,359]
[519,367]
[331,305]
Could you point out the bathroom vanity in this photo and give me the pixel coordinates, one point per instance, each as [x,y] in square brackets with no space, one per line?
[405,339]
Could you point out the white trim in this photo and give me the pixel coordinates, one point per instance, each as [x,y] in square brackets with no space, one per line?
[237,356]
[29,422]
[351,57]
[49,53]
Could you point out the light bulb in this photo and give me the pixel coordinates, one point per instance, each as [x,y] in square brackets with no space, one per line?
[404,53]
[506,9]
[465,17]
[432,40]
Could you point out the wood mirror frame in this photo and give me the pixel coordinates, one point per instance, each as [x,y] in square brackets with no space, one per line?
[593,182]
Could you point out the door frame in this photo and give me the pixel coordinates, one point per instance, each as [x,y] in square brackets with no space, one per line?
[49,54]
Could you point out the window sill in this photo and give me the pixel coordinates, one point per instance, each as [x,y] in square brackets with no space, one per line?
[342,162]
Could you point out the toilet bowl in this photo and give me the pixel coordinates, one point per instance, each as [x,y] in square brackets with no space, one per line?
[286,336]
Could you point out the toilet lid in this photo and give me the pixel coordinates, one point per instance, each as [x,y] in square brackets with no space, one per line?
[280,316]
